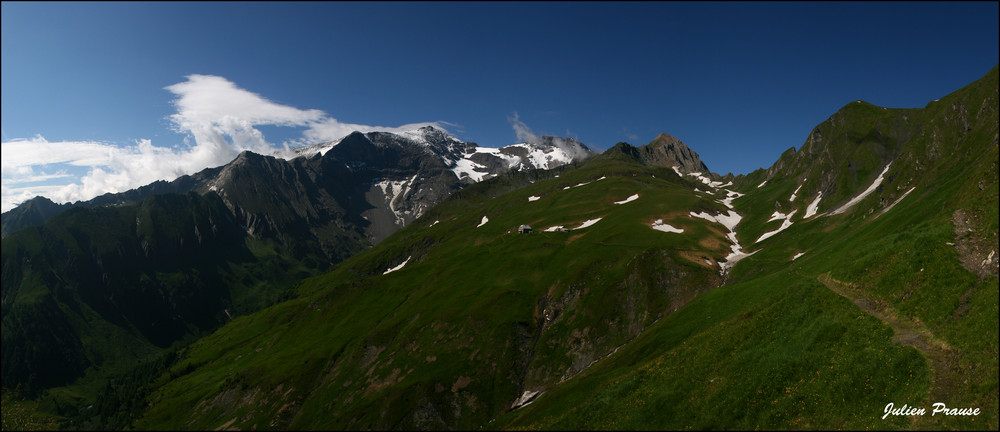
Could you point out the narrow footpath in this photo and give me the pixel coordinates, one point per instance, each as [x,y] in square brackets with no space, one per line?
[943,360]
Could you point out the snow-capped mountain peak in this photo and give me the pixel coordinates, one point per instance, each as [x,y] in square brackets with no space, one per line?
[468,161]
[401,174]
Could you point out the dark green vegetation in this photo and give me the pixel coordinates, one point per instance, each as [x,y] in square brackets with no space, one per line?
[477,315]
[20,414]
[94,291]
[99,289]
[620,326]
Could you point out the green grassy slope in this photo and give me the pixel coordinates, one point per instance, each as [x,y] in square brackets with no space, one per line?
[620,326]
[616,325]
[477,316]
[780,350]
[785,348]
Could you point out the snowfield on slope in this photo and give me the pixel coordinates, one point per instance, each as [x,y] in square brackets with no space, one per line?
[398,267]
[794,194]
[708,181]
[729,220]
[629,199]
[660,226]
[895,202]
[468,167]
[730,196]
[863,195]
[784,225]
[588,223]
[813,207]
[777,216]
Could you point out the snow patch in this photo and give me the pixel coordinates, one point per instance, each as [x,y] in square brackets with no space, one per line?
[798,255]
[629,199]
[776,216]
[813,207]
[762,184]
[896,202]
[485,219]
[395,191]
[784,225]
[794,194]
[435,223]
[729,220]
[857,199]
[588,223]
[398,267]
[468,167]
[736,256]
[706,180]
[730,196]
[660,226]
[526,398]
[677,171]
[554,228]
[533,198]
[582,184]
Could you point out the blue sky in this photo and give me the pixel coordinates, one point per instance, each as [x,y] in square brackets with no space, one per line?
[100,97]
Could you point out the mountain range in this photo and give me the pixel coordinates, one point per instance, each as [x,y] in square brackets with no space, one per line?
[151,266]
[382,282]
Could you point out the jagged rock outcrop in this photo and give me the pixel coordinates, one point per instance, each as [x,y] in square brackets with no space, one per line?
[668,151]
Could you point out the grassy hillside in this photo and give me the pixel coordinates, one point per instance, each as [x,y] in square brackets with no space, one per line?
[478,315]
[784,349]
[837,315]
[872,280]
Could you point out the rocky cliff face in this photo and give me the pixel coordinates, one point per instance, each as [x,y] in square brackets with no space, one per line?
[668,151]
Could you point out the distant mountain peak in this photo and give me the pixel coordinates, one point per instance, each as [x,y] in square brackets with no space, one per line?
[668,151]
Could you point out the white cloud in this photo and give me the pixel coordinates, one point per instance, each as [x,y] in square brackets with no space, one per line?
[525,134]
[329,129]
[18,156]
[219,116]
[112,168]
[211,108]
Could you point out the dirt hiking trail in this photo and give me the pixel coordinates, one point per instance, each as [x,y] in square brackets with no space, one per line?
[943,360]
